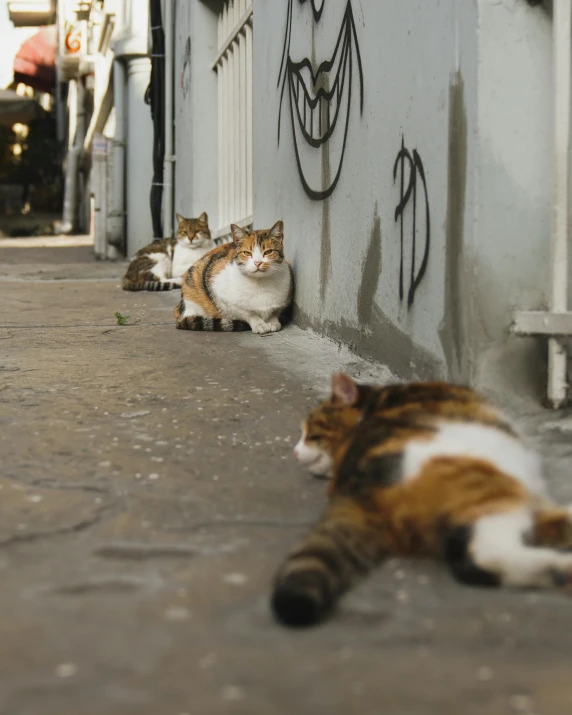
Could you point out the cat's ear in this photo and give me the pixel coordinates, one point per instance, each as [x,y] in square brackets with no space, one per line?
[237,233]
[344,389]
[203,218]
[180,218]
[277,231]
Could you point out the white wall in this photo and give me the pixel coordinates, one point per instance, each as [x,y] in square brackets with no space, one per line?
[195,95]
[351,241]
[509,254]
[465,84]
[468,85]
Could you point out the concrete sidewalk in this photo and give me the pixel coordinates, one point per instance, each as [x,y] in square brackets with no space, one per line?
[147,494]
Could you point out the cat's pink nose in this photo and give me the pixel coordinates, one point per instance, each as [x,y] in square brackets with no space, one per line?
[296,452]
[258,263]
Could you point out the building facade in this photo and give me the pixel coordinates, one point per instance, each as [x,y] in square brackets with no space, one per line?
[408,148]
[406,144]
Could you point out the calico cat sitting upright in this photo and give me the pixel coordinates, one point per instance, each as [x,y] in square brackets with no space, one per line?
[243,284]
[425,470]
[161,264]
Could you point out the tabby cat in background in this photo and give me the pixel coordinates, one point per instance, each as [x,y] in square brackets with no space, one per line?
[161,264]
[424,470]
[240,285]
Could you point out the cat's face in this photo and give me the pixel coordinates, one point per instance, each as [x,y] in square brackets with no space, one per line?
[259,253]
[326,427]
[193,231]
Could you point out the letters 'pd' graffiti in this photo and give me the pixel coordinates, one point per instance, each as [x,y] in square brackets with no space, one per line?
[320,102]
[409,193]
[186,72]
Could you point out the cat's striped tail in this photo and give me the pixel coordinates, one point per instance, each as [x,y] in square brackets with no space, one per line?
[221,325]
[343,547]
[128,284]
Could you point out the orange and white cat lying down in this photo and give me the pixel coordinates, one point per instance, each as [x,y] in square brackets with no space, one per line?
[422,469]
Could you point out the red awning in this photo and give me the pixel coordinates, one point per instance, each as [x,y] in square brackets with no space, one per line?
[35,61]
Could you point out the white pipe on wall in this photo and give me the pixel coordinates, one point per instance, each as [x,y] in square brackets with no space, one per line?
[111,252]
[98,184]
[169,158]
[557,353]
[71,184]
[118,214]
[139,165]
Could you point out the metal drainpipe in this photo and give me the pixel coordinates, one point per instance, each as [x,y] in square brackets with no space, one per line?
[557,352]
[60,105]
[169,158]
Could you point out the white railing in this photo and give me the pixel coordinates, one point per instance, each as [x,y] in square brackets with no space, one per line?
[556,323]
[233,65]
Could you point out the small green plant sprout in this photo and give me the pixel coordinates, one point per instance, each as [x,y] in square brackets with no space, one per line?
[121,319]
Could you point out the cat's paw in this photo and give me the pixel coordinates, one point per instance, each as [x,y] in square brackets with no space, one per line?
[275,325]
[263,328]
[260,327]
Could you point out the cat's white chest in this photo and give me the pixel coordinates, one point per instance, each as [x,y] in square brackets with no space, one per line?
[240,295]
[185,256]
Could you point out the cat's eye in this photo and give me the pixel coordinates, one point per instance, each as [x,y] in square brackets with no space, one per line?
[312,438]
[269,251]
[246,253]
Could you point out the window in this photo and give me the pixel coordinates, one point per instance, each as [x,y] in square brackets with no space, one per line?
[233,65]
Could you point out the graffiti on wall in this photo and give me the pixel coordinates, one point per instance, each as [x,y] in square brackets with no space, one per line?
[320,101]
[410,162]
[186,71]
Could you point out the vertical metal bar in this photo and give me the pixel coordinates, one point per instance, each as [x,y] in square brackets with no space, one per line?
[242,128]
[220,128]
[248,120]
[557,353]
[168,165]
[234,71]
[220,71]
[234,117]
[225,178]
[241,45]
[225,138]
[236,132]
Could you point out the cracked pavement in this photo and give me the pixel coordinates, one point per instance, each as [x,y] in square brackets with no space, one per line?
[147,494]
